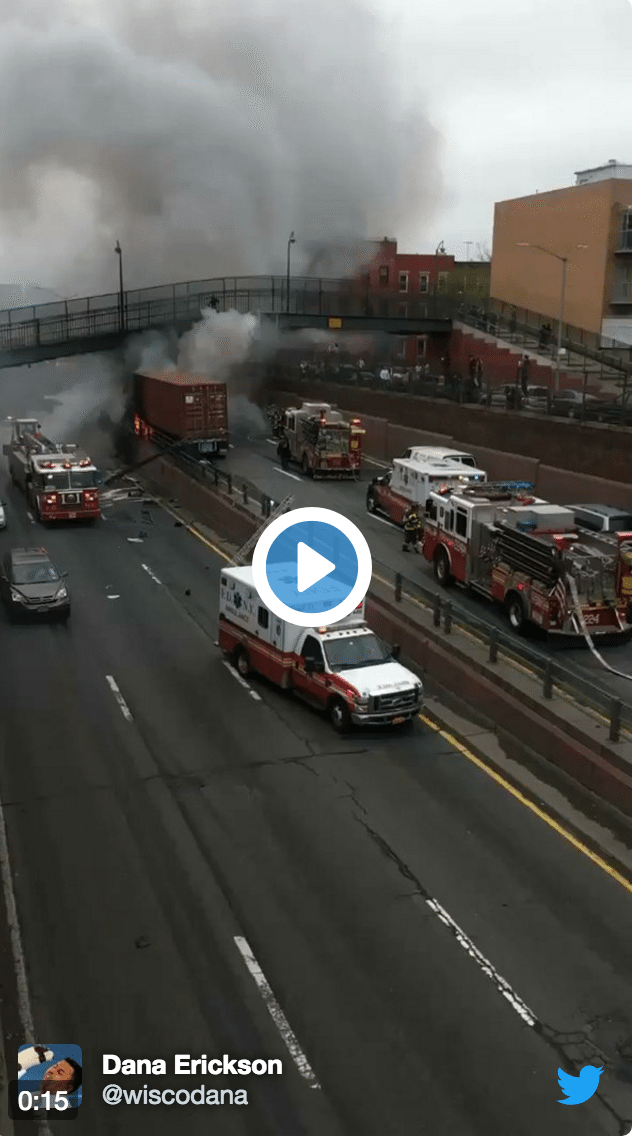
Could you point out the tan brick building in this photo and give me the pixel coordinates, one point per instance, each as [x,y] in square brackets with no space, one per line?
[595,213]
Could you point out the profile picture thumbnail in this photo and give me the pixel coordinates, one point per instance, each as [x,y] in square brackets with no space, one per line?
[52,1068]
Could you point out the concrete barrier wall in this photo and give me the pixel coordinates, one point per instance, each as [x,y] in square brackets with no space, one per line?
[213,508]
[385,440]
[563,445]
[506,710]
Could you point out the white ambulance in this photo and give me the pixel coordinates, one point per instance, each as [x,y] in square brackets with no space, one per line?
[344,670]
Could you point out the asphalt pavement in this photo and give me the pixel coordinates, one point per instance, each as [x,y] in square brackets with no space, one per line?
[255,459]
[436,950]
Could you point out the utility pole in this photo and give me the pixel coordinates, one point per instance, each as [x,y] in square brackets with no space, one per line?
[291,241]
[122,320]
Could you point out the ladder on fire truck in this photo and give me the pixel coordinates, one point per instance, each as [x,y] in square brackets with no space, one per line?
[240,557]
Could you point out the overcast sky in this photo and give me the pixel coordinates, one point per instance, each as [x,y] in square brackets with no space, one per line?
[200,134]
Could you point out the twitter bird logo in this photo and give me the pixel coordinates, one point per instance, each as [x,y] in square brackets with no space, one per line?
[581,1088]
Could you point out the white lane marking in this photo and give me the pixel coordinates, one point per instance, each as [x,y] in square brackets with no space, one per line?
[276,1012]
[243,682]
[384,520]
[150,573]
[271,441]
[123,706]
[286,474]
[373,461]
[30,516]
[505,989]
[134,539]
[111,597]
[231,446]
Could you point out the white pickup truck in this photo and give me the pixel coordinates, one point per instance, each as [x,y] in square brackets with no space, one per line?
[344,670]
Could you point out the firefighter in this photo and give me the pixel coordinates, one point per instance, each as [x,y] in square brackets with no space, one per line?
[412,528]
[284,452]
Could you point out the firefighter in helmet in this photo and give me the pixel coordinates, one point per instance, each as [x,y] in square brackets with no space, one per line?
[412,528]
[284,452]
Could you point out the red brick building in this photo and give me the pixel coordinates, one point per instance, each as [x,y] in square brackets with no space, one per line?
[399,283]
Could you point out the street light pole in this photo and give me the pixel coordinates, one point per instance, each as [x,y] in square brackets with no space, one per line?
[291,241]
[562,299]
[117,249]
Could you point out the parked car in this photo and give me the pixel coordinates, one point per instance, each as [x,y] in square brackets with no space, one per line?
[3,515]
[31,586]
[613,411]
[602,518]
[497,397]
[571,404]
[536,398]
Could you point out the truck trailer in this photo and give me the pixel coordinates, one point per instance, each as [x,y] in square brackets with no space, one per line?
[182,406]
[344,669]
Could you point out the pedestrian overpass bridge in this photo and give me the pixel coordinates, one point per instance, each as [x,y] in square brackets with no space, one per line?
[102,323]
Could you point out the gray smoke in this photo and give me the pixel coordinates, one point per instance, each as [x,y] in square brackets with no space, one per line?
[199,135]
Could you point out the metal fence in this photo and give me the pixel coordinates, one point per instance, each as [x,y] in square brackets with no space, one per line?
[551,675]
[145,308]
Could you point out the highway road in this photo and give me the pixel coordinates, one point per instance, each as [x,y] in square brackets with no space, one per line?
[436,949]
[255,458]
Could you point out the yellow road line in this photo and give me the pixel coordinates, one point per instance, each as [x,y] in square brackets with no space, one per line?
[558,828]
[193,531]
[465,752]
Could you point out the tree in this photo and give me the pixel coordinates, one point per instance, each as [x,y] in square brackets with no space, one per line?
[483,252]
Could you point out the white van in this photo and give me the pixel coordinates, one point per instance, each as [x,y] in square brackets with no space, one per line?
[439,453]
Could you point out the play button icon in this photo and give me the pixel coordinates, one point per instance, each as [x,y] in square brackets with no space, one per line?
[312,566]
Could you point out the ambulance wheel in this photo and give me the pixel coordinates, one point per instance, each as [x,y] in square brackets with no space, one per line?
[306,470]
[242,664]
[441,568]
[339,716]
[515,612]
[371,503]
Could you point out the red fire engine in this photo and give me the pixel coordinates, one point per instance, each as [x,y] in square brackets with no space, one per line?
[60,482]
[527,555]
[321,441]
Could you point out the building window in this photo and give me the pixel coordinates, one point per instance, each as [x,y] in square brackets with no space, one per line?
[401,348]
[441,285]
[423,282]
[624,243]
[403,281]
[384,275]
[421,346]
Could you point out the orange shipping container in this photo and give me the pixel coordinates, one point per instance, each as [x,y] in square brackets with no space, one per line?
[187,406]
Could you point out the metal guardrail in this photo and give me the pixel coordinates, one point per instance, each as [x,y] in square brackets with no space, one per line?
[544,669]
[81,318]
[550,673]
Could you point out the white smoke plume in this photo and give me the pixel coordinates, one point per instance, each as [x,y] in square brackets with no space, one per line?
[200,135]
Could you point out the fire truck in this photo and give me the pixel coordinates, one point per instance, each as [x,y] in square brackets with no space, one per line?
[527,555]
[60,482]
[410,482]
[321,441]
[343,670]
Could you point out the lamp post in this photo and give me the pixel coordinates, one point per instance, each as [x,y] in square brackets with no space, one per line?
[291,241]
[562,298]
[117,249]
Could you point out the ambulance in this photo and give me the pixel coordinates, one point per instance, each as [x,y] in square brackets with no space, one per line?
[344,669]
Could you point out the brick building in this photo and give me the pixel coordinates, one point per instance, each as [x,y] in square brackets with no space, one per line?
[590,224]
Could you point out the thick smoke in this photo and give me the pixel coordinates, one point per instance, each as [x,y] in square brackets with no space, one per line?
[200,135]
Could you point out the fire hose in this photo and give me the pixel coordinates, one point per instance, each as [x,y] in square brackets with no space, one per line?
[586,634]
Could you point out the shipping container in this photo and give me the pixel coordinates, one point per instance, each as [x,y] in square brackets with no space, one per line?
[186,406]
